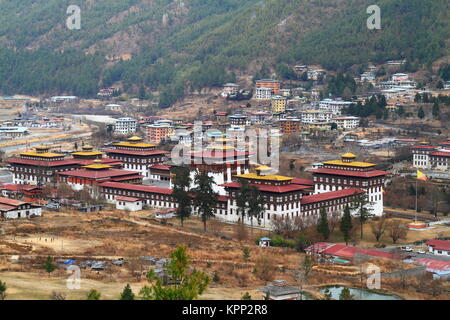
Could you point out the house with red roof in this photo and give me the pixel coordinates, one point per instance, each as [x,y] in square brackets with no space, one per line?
[439,247]
[128,203]
[16,209]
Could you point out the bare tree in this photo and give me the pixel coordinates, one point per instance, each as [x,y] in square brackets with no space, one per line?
[397,230]
[379,228]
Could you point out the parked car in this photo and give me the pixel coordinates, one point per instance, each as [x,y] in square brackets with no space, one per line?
[118,262]
[421,251]
[408,249]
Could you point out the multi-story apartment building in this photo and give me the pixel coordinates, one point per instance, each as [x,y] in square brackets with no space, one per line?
[124,126]
[158,131]
[278,104]
[263,93]
[347,123]
[272,84]
[290,125]
[316,116]
[334,106]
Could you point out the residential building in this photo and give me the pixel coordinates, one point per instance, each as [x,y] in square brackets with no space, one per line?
[263,93]
[278,104]
[316,116]
[230,89]
[439,247]
[124,126]
[129,204]
[158,131]
[13,132]
[272,84]
[316,74]
[334,106]
[16,209]
[290,125]
[238,120]
[347,123]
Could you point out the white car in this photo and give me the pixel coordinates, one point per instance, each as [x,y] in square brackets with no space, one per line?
[421,252]
[408,249]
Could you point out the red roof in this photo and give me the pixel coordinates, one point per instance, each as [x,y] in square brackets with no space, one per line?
[10,202]
[108,161]
[352,173]
[42,163]
[138,153]
[98,174]
[126,178]
[269,188]
[303,182]
[439,244]
[432,264]
[18,187]
[127,199]
[4,207]
[219,154]
[440,154]
[348,252]
[134,187]
[331,195]
[424,147]
[161,167]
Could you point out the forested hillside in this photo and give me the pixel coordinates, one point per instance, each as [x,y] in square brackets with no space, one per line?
[187,45]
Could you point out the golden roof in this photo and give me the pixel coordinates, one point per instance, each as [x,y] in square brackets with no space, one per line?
[270,177]
[43,154]
[97,166]
[350,164]
[263,168]
[87,153]
[135,138]
[348,155]
[136,145]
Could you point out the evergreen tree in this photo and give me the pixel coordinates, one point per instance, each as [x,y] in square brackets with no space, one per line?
[182,182]
[362,205]
[346,224]
[246,296]
[421,113]
[322,227]
[187,285]
[93,295]
[48,265]
[204,196]
[327,294]
[2,290]
[436,110]
[346,295]
[127,293]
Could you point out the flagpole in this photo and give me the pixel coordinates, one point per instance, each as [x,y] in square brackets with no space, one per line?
[415,217]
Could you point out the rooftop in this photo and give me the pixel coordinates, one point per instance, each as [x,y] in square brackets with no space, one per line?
[331,195]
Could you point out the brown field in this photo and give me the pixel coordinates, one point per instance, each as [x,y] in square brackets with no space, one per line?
[110,235]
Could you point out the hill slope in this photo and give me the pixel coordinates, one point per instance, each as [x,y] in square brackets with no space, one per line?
[193,43]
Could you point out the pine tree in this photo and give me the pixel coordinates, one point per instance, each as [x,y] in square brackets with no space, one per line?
[182,181]
[204,196]
[436,110]
[127,293]
[323,228]
[346,295]
[48,265]
[421,113]
[346,224]
[2,290]
[362,205]
[93,295]
[246,296]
